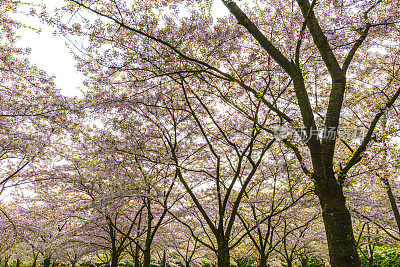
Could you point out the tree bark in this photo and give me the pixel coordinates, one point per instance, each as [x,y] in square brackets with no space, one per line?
[136,256]
[263,261]
[304,262]
[147,255]
[164,260]
[114,259]
[18,263]
[114,250]
[149,240]
[34,260]
[392,200]
[223,256]
[46,262]
[6,261]
[337,222]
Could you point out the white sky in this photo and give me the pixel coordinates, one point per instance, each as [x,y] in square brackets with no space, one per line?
[51,54]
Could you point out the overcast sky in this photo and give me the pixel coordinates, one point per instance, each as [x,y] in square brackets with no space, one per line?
[51,54]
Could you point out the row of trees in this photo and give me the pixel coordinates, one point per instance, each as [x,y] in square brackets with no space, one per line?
[173,150]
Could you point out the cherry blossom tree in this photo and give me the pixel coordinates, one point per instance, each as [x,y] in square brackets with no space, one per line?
[223,152]
[319,49]
[29,102]
[45,223]
[272,205]
[184,247]
[185,115]
[9,237]
[124,196]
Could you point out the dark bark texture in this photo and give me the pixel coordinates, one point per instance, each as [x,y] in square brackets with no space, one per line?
[46,262]
[337,222]
[223,255]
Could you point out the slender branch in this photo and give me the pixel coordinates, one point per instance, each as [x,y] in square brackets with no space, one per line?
[303,28]
[354,48]
[357,154]
[184,56]
[319,38]
[377,224]
[259,36]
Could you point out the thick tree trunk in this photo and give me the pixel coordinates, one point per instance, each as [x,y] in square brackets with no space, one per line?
[46,262]
[337,222]
[149,240]
[146,256]
[223,256]
[114,259]
[263,261]
[114,251]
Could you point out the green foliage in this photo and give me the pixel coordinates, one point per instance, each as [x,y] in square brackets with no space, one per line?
[310,259]
[383,257]
[88,264]
[314,261]
[245,262]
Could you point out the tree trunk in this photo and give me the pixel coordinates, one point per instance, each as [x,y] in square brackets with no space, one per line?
[46,262]
[263,261]
[136,257]
[114,259]
[392,200]
[34,260]
[223,256]
[149,238]
[164,260]
[304,262]
[147,256]
[337,222]
[18,263]
[371,262]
